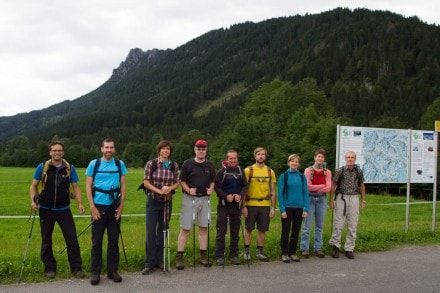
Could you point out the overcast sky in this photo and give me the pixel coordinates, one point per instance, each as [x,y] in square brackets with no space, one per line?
[53,50]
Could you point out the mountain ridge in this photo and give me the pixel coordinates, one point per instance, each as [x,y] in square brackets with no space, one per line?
[372,66]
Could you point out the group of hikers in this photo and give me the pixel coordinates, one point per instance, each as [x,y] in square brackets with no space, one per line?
[251,192]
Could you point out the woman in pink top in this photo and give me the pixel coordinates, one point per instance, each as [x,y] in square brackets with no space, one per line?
[319,182]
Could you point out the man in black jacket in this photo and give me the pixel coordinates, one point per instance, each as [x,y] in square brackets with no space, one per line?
[231,187]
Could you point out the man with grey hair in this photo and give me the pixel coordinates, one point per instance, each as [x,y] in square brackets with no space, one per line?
[347,183]
[197,181]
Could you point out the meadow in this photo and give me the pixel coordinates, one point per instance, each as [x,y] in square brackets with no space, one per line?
[381,227]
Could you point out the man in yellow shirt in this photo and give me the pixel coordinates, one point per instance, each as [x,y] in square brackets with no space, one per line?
[260,202]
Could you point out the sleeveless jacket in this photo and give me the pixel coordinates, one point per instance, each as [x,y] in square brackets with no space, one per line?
[56,190]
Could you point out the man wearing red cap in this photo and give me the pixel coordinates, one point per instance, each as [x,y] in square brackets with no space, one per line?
[197,181]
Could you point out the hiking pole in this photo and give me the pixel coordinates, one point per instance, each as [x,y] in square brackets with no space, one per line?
[194,236]
[246,254]
[209,222]
[84,230]
[164,230]
[224,252]
[123,246]
[166,236]
[27,244]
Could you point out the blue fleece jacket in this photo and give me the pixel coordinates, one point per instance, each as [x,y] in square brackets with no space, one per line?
[297,195]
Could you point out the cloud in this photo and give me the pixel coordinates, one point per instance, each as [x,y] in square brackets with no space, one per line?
[56,50]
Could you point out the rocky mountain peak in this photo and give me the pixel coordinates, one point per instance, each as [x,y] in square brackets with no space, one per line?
[134,59]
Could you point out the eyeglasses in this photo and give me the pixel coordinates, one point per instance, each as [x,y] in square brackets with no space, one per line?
[201,149]
[57,151]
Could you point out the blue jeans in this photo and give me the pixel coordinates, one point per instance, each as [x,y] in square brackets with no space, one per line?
[317,209]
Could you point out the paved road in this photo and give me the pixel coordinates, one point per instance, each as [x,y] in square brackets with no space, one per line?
[409,269]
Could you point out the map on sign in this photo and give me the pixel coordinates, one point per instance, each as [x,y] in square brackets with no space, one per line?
[382,154]
[385,155]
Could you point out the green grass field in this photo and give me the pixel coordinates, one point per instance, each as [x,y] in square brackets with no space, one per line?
[381,227]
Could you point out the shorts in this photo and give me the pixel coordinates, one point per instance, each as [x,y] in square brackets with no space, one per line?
[259,215]
[199,209]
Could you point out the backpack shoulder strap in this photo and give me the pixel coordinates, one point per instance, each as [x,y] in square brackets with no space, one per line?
[312,172]
[358,175]
[251,173]
[44,174]
[118,165]
[224,173]
[341,176]
[240,171]
[96,168]
[153,168]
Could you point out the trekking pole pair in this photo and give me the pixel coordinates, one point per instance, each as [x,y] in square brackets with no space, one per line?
[85,229]
[27,244]
[91,223]
[224,252]
[166,236]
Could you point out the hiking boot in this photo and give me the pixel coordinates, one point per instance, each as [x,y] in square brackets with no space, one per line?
[246,254]
[79,274]
[335,253]
[50,274]
[179,262]
[203,260]
[305,254]
[94,280]
[261,256]
[235,260]
[147,271]
[220,261]
[115,277]
[349,254]
[319,253]
[285,258]
[294,257]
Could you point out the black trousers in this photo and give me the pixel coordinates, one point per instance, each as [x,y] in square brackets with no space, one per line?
[107,221]
[291,225]
[155,226]
[222,227]
[64,218]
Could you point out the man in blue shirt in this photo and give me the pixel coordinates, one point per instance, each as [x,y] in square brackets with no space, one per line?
[105,187]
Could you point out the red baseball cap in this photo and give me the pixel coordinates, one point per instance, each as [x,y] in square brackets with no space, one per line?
[201,143]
